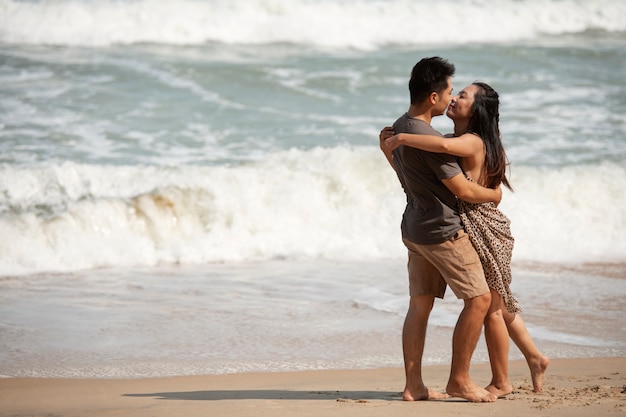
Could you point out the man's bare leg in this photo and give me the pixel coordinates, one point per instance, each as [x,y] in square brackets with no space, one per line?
[466,334]
[413,339]
[537,362]
[497,339]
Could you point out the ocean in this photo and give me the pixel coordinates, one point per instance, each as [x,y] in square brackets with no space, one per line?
[192,187]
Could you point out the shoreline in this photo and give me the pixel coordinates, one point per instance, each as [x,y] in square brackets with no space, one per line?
[573,387]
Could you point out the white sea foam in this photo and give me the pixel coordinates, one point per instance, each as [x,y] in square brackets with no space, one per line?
[361,24]
[568,214]
[331,203]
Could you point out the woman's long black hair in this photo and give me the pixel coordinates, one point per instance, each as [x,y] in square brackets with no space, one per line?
[485,122]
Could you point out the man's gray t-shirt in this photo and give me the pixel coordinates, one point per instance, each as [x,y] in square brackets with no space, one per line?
[431,215]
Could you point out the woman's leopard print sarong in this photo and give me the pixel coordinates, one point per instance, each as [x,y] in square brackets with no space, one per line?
[490,233]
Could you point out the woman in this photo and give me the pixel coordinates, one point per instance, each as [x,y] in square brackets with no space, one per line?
[476,140]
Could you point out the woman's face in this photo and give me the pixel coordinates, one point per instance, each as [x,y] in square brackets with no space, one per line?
[460,107]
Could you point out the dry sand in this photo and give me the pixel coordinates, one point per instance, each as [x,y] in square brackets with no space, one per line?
[573,387]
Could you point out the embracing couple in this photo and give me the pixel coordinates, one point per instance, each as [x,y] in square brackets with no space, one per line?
[455,235]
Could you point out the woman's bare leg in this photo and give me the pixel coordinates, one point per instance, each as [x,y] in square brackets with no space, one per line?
[537,362]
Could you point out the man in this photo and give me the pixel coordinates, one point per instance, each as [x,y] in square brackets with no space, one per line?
[440,253]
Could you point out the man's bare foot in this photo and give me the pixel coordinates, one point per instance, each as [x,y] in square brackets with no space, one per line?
[423,395]
[470,392]
[538,372]
[499,390]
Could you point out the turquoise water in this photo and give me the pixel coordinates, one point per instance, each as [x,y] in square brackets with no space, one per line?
[108,146]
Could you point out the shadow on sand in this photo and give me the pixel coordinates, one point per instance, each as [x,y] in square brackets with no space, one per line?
[217,395]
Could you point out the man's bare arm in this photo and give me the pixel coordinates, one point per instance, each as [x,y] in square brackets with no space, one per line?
[469,191]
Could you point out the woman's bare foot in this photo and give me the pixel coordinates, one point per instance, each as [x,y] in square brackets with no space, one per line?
[470,392]
[538,372]
[423,395]
[499,390]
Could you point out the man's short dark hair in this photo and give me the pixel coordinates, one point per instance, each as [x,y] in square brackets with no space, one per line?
[429,75]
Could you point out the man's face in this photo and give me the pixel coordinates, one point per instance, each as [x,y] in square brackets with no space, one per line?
[444,99]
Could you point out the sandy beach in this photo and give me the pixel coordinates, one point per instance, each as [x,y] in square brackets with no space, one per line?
[573,387]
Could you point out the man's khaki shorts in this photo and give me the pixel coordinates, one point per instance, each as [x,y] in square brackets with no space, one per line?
[453,262]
